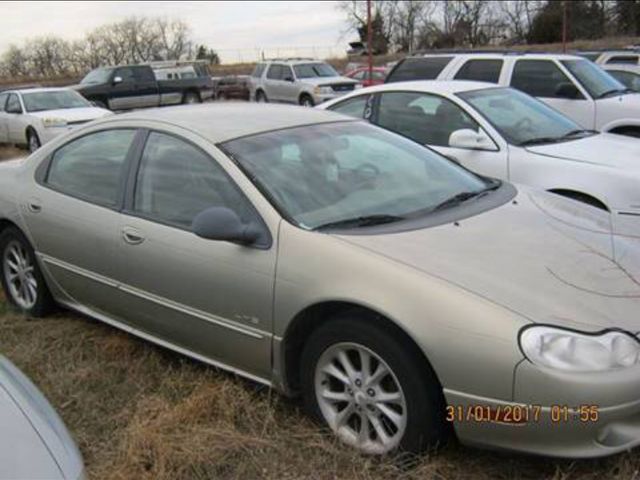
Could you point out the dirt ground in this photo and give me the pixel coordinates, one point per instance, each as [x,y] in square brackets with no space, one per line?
[9,152]
[142,412]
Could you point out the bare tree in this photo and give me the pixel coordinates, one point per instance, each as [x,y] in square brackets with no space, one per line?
[518,16]
[410,18]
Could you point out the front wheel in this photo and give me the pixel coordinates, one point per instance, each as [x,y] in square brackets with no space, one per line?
[261,97]
[306,101]
[22,280]
[370,390]
[33,141]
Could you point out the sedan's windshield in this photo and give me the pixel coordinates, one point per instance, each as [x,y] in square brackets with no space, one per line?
[594,79]
[53,100]
[310,70]
[351,174]
[521,119]
[99,75]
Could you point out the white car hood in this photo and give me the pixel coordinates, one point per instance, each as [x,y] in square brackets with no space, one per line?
[545,257]
[606,149]
[74,114]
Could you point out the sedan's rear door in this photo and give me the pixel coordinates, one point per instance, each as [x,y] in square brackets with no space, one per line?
[72,214]
[210,298]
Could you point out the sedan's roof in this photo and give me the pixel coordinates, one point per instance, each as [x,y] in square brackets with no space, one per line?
[442,87]
[219,122]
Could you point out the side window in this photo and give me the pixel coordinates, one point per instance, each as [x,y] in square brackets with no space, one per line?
[144,74]
[3,100]
[427,68]
[177,181]
[287,73]
[354,107]
[427,119]
[539,78]
[274,72]
[359,75]
[92,166]
[624,60]
[125,73]
[480,70]
[13,104]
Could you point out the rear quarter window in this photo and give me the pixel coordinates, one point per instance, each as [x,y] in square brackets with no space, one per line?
[480,70]
[418,69]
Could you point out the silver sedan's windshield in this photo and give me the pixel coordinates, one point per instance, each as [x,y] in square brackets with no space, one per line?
[522,119]
[53,100]
[351,174]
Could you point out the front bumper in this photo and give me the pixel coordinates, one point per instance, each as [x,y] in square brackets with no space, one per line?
[325,97]
[556,414]
[46,134]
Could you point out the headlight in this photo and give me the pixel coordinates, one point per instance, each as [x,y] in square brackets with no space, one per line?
[54,122]
[579,352]
[322,90]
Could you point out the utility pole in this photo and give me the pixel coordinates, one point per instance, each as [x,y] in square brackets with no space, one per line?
[369,39]
[564,26]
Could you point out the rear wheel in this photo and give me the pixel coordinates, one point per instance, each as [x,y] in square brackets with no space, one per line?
[261,97]
[22,280]
[370,390]
[191,98]
[33,141]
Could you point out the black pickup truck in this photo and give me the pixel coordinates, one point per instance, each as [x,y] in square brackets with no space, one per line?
[136,86]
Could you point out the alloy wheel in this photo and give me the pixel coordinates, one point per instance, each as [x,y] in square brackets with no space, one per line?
[360,398]
[19,274]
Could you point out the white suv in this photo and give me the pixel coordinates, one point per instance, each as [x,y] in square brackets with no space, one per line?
[571,84]
[306,82]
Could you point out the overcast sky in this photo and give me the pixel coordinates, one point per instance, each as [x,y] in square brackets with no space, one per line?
[236,30]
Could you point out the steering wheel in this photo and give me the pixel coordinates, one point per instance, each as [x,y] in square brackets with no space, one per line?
[367,170]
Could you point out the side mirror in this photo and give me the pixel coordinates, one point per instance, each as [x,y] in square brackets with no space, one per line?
[289,79]
[567,90]
[470,139]
[117,80]
[219,223]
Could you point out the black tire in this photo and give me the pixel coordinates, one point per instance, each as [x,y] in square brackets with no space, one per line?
[426,426]
[222,96]
[44,303]
[191,97]
[306,100]
[33,141]
[101,104]
[261,97]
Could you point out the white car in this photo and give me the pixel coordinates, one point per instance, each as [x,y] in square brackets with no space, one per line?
[569,83]
[34,443]
[35,116]
[503,133]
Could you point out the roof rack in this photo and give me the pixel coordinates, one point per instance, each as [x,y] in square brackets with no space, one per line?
[486,52]
[288,59]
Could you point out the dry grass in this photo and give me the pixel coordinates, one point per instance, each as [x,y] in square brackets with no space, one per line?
[141,412]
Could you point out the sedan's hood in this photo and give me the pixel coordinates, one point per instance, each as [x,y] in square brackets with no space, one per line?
[546,257]
[328,80]
[74,114]
[604,149]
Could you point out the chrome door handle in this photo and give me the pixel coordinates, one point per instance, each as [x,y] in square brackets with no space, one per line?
[132,236]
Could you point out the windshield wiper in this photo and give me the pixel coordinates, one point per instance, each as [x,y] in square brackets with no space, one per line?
[539,141]
[615,91]
[579,131]
[361,221]
[458,198]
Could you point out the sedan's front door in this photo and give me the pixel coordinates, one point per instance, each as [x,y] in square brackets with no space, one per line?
[72,215]
[431,120]
[211,298]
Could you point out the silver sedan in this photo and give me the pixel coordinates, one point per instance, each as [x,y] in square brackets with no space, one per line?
[34,443]
[401,295]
